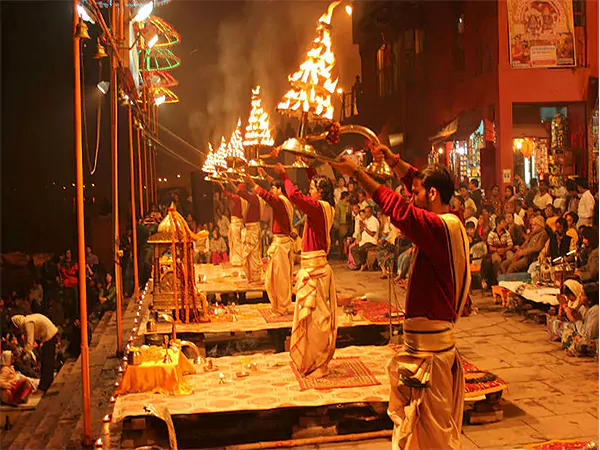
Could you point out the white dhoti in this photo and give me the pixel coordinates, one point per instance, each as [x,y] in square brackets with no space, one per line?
[427,387]
[280,271]
[251,257]
[314,329]
[235,241]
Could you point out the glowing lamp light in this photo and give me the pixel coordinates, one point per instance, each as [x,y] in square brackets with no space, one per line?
[340,91]
[144,12]
[103,87]
[153,40]
[99,443]
[349,10]
[83,13]
[440,150]
[160,100]
[106,418]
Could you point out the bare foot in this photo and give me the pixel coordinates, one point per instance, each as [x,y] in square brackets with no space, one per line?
[319,373]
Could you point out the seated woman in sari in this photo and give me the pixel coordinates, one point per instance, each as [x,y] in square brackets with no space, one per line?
[582,338]
[576,325]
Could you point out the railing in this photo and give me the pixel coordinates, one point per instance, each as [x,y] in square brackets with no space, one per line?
[349,107]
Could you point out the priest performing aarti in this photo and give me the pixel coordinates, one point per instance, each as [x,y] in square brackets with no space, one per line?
[280,268]
[314,329]
[426,376]
[251,250]
[238,208]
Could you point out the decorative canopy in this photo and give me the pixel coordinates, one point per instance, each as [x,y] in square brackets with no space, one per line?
[158,59]
[155,26]
[170,96]
[177,227]
[162,78]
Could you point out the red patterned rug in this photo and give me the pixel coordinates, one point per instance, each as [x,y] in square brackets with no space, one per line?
[343,373]
[271,316]
[377,312]
[477,381]
[561,445]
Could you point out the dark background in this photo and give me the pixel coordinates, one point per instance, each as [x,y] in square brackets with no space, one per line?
[227,47]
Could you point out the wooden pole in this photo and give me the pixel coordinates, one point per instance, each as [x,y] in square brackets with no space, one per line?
[136,277]
[85,356]
[139,166]
[114,111]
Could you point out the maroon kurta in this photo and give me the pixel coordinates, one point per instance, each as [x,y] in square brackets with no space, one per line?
[235,204]
[316,232]
[281,219]
[253,213]
[431,288]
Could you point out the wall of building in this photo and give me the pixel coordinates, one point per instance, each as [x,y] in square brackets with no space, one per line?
[538,85]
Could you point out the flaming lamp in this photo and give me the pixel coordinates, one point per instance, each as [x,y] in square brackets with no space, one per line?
[309,98]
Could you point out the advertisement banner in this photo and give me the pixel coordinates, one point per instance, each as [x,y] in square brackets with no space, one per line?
[541,33]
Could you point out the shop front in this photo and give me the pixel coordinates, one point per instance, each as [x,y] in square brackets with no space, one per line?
[463,144]
[549,142]
[530,147]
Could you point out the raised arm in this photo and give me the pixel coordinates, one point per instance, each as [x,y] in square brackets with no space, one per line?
[266,195]
[305,203]
[424,228]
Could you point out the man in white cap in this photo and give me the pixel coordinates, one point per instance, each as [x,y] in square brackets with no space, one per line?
[37,327]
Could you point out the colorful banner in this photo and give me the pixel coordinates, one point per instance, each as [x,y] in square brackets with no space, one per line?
[541,33]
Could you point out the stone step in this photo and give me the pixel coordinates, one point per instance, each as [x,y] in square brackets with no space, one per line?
[54,412]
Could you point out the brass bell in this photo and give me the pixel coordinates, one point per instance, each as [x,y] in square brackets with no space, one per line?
[81,31]
[100,50]
[379,169]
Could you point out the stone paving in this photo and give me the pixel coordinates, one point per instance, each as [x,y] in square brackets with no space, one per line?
[550,395]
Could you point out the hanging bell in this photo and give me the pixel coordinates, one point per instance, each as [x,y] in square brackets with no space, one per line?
[81,31]
[100,50]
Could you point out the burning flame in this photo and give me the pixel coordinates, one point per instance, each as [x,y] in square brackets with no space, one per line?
[235,146]
[209,162]
[258,131]
[312,85]
[220,155]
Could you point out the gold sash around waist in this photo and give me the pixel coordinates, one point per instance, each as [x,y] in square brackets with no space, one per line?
[253,225]
[281,239]
[313,260]
[429,336]
[236,220]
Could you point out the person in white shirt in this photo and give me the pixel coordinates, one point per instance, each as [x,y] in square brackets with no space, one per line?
[37,327]
[469,202]
[469,216]
[341,187]
[369,230]
[585,211]
[222,223]
[542,198]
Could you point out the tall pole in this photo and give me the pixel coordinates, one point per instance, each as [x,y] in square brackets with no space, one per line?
[114,110]
[136,279]
[85,356]
[146,150]
[139,167]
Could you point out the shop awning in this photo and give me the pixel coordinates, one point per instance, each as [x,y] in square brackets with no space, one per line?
[461,127]
[533,130]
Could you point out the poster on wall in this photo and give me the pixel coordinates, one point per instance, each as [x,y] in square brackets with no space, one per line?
[541,33]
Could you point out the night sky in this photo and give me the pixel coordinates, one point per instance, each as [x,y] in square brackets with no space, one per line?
[227,47]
